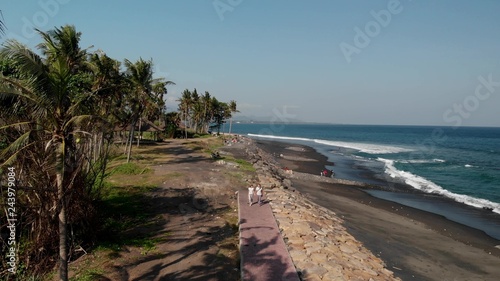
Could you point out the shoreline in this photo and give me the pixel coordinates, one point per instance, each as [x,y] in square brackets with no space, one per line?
[399,193]
[415,244]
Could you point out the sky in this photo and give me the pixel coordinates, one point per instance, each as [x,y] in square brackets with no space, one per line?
[383,62]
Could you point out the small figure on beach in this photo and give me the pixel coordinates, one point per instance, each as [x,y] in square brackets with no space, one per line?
[250,195]
[260,192]
[324,173]
[332,173]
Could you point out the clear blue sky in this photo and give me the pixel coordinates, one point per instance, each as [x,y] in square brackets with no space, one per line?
[288,59]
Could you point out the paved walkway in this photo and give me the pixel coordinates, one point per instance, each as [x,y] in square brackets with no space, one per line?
[264,255]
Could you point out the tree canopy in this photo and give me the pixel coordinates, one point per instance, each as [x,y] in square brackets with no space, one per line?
[61,108]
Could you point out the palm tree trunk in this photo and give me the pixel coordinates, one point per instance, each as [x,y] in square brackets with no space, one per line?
[127,139]
[185,126]
[101,144]
[63,246]
[230,124]
[140,133]
[131,140]
[94,147]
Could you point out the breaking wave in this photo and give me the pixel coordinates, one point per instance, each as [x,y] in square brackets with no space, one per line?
[428,186]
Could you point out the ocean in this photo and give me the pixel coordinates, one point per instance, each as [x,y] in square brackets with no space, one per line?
[411,164]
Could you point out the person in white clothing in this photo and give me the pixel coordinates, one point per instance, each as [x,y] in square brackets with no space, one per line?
[260,192]
[250,195]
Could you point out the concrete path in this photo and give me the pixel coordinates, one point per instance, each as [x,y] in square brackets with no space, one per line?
[264,255]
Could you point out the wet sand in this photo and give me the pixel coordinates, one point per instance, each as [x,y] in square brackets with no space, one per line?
[415,244]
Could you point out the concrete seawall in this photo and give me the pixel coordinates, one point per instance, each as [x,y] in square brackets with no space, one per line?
[318,243]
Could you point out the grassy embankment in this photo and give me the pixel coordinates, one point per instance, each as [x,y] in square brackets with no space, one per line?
[124,208]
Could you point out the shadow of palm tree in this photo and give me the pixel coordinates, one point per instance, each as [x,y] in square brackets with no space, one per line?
[163,266]
[180,151]
[178,212]
[263,254]
[263,264]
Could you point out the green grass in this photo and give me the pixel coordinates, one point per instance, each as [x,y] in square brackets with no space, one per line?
[126,216]
[130,169]
[22,275]
[124,210]
[124,206]
[205,136]
[146,244]
[120,156]
[88,275]
[245,165]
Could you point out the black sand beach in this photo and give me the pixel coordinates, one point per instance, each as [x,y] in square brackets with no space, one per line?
[415,244]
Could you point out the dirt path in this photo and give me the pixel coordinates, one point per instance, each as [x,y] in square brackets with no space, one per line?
[193,220]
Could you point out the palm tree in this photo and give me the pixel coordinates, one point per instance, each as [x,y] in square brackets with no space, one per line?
[184,106]
[232,108]
[195,110]
[172,121]
[107,86]
[51,92]
[218,113]
[146,93]
[159,91]
[140,77]
[205,99]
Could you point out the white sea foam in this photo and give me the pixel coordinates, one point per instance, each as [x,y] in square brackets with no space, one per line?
[425,185]
[421,161]
[468,166]
[363,147]
[279,137]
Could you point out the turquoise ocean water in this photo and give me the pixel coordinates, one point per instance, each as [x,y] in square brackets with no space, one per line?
[461,164]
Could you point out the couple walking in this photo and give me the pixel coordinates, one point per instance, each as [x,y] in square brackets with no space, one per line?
[255,190]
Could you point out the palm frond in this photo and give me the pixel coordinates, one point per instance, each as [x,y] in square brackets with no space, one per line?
[48,46]
[39,103]
[15,124]
[80,132]
[28,62]
[76,120]
[15,148]
[17,87]
[49,143]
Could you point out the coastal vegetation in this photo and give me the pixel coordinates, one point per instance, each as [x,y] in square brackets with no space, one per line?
[63,110]
[204,112]
[141,218]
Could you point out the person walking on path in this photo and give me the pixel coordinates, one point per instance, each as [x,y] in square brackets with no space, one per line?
[250,195]
[260,192]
